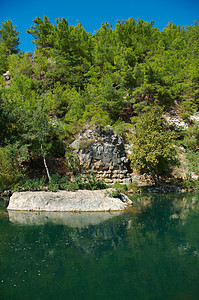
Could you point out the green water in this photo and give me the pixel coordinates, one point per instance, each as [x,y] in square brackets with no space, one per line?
[151,252]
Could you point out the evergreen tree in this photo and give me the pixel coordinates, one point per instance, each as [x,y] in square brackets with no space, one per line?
[9,36]
[9,43]
[152,150]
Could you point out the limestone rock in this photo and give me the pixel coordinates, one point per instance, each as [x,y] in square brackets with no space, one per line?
[102,150]
[175,121]
[7,77]
[81,200]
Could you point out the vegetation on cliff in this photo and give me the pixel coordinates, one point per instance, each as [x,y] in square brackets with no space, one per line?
[109,77]
[152,149]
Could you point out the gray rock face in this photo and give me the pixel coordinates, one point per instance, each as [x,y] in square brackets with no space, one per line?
[82,200]
[102,150]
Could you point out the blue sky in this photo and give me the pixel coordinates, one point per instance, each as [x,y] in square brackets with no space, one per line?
[92,14]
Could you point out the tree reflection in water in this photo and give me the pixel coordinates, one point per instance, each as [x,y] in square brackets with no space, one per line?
[152,254]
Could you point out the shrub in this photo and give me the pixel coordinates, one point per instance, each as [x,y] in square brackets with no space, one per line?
[7,171]
[85,144]
[72,161]
[188,183]
[11,167]
[35,184]
[89,182]
[133,187]
[122,188]
[193,161]
[152,150]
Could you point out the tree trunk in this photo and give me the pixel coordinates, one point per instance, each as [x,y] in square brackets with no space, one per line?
[156,179]
[45,164]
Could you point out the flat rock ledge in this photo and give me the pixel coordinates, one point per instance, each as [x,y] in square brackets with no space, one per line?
[81,200]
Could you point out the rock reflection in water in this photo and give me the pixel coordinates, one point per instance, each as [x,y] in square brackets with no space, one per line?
[90,233]
[145,255]
[71,219]
[102,238]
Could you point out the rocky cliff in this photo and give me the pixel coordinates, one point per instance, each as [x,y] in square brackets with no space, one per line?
[102,150]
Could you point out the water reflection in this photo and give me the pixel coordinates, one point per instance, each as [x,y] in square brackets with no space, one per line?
[156,213]
[91,233]
[153,254]
[71,219]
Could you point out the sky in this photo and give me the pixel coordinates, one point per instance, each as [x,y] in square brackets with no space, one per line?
[92,14]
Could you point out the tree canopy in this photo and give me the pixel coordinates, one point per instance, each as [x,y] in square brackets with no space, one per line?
[9,43]
[109,77]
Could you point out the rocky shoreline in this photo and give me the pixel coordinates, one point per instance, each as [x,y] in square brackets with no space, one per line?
[164,189]
[81,200]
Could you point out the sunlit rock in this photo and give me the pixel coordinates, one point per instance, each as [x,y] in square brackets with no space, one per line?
[102,150]
[81,200]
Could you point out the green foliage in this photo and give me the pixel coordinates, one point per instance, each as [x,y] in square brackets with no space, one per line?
[4,53]
[68,49]
[105,96]
[115,194]
[7,171]
[35,184]
[189,183]
[57,182]
[121,127]
[9,42]
[122,188]
[103,78]
[54,184]
[193,161]
[11,164]
[190,141]
[191,138]
[42,31]
[9,36]
[39,184]
[20,64]
[152,149]
[133,187]
[95,115]
[72,161]
[89,182]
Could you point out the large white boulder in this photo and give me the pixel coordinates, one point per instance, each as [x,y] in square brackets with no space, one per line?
[81,200]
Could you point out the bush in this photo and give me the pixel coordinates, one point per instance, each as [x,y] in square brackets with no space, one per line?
[11,167]
[35,184]
[193,161]
[87,182]
[133,187]
[7,171]
[115,194]
[191,138]
[54,184]
[152,149]
[72,161]
[188,183]
[122,188]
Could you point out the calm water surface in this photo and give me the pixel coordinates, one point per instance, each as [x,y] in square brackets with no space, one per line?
[151,252]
